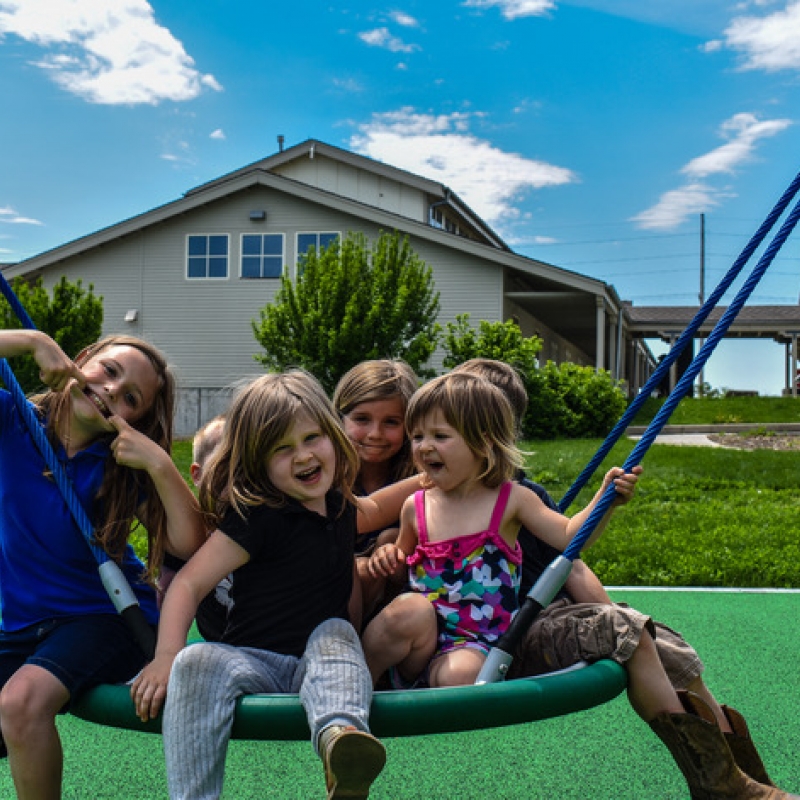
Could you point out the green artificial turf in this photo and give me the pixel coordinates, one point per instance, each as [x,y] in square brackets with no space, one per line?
[747,641]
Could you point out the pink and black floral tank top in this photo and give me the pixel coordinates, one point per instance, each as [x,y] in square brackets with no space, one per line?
[472,581]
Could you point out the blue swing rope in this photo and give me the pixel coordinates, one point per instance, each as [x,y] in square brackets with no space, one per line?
[114,581]
[553,578]
[687,336]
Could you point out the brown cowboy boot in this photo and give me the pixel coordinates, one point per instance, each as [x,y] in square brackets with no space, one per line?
[703,756]
[744,750]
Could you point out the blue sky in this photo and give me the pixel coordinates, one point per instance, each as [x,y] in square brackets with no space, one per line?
[589,134]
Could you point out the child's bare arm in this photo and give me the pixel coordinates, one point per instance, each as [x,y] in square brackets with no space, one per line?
[389,560]
[625,485]
[381,509]
[218,557]
[56,369]
[186,528]
[555,528]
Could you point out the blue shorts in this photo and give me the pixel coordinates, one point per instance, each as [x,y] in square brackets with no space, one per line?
[82,652]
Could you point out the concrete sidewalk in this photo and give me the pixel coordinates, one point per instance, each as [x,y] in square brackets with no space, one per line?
[697,435]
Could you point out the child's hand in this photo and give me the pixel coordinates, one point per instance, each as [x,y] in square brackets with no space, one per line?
[131,448]
[386,561]
[150,687]
[56,369]
[624,483]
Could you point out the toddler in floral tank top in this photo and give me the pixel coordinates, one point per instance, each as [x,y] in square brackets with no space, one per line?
[458,538]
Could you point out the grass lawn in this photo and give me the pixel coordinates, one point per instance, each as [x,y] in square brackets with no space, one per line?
[701,516]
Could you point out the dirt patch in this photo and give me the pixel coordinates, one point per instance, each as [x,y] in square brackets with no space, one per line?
[763,441]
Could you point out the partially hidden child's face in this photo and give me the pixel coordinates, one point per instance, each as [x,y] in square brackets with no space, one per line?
[441,452]
[302,464]
[376,428]
[121,381]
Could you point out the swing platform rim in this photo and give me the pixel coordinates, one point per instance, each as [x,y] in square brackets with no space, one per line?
[418,712]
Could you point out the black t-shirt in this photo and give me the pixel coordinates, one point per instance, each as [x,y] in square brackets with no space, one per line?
[300,573]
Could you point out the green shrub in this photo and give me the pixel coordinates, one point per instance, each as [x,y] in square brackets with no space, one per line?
[564,401]
[570,401]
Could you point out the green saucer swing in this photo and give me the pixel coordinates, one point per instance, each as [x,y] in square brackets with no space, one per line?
[397,713]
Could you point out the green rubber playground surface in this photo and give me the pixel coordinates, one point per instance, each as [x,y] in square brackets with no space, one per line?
[751,649]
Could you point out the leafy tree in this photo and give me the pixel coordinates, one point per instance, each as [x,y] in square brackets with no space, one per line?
[73,318]
[352,302]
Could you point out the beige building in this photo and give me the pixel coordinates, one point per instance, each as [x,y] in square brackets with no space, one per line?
[192,275]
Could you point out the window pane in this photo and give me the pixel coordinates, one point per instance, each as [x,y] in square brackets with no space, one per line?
[251,267]
[304,241]
[251,245]
[218,245]
[198,245]
[273,267]
[197,268]
[217,267]
[273,244]
[326,238]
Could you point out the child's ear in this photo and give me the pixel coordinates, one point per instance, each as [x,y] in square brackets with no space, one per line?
[195,471]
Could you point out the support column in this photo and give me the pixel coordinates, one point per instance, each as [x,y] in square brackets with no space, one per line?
[600,355]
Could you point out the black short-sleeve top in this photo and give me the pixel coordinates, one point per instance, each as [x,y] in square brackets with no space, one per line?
[300,572]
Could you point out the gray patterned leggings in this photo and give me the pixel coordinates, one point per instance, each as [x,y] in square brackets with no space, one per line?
[207,678]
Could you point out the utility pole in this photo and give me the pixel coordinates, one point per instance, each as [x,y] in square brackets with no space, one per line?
[702,295]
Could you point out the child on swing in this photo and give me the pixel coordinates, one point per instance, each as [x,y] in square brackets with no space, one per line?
[463,437]
[371,399]
[108,416]
[279,490]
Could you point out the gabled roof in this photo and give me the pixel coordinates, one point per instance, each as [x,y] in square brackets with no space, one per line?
[546,276]
[312,148]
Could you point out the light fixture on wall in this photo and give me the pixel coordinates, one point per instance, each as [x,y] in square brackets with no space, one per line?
[258,215]
[131,315]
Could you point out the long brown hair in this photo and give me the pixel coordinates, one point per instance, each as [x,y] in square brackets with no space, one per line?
[260,415]
[127,497]
[380,379]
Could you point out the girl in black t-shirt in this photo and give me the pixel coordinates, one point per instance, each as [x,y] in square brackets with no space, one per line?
[279,492]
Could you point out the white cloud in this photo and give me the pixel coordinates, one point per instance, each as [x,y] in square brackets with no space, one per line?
[217,134]
[769,43]
[676,206]
[107,51]
[514,9]
[441,148]
[406,20]
[744,130]
[10,216]
[383,37]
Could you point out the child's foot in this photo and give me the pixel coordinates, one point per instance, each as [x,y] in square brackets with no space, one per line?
[352,760]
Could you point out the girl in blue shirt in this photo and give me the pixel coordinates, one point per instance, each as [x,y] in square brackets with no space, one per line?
[108,416]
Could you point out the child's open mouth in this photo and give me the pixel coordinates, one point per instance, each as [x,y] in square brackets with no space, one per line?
[98,403]
[309,475]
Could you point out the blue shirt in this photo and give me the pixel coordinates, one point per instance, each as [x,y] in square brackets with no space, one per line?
[46,568]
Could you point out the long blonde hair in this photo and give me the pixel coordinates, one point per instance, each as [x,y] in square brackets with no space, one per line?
[260,415]
[380,379]
[480,413]
[123,488]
